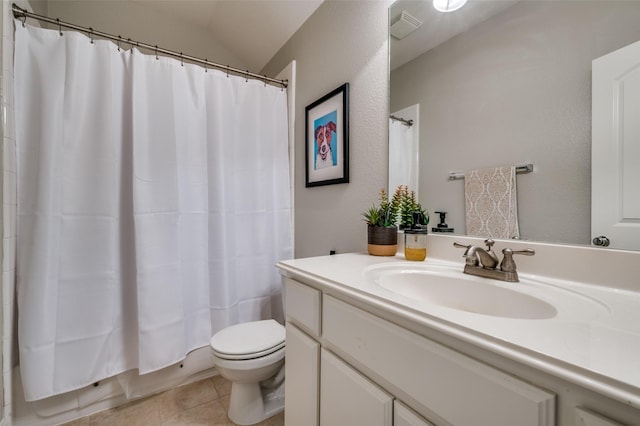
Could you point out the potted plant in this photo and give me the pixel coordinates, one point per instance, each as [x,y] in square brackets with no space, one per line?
[411,212]
[382,231]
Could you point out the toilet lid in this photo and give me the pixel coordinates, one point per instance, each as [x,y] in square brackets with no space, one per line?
[249,339]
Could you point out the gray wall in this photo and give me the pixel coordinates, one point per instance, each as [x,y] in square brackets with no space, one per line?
[507,92]
[140,22]
[343,41]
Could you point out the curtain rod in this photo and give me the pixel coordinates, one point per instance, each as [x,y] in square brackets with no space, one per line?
[18,12]
[406,122]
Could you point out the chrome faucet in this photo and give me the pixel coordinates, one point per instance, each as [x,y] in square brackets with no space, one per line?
[484,263]
[477,256]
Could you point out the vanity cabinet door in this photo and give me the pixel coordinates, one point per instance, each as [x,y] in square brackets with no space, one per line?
[347,398]
[403,416]
[301,378]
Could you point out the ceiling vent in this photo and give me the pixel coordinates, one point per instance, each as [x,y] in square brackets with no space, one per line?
[404,24]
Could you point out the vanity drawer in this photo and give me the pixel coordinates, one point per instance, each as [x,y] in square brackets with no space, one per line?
[303,306]
[431,378]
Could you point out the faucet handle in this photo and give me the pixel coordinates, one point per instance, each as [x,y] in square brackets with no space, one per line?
[466,252]
[470,258]
[490,251]
[526,252]
[508,265]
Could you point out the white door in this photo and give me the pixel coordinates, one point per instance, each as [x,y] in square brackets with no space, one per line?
[615,154]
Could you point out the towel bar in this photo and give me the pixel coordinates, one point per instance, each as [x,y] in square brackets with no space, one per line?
[525,168]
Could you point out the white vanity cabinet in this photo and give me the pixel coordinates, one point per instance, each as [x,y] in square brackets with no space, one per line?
[320,388]
[345,366]
[443,365]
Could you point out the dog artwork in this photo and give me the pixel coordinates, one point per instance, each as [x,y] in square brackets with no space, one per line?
[326,139]
[324,154]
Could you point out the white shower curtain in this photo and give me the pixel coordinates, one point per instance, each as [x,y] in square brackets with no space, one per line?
[403,156]
[153,203]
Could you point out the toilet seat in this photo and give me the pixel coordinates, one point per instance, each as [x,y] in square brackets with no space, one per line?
[248,340]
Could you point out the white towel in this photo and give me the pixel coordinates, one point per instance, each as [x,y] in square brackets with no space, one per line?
[491,203]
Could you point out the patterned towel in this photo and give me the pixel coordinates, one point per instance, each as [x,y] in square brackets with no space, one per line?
[491,206]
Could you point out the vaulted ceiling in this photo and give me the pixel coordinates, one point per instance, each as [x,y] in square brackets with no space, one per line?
[253,29]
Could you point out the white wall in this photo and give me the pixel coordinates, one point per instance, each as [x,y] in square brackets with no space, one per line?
[343,41]
[506,92]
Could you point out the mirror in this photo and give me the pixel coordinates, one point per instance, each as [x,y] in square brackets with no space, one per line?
[502,83]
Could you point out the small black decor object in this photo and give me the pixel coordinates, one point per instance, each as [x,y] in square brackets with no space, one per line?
[442,226]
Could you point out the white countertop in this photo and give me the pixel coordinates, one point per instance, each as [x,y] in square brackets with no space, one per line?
[593,341]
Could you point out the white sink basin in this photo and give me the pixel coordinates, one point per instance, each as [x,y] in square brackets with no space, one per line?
[453,289]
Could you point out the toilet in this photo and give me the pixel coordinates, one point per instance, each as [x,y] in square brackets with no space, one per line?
[251,356]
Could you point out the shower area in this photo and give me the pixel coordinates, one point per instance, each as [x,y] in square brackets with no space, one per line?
[404,148]
[146,199]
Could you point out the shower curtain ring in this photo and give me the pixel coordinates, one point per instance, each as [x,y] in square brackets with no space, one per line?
[156,52]
[24,20]
[265,80]
[181,59]
[227,71]
[246,76]
[59,26]
[91,34]
[119,39]
[205,65]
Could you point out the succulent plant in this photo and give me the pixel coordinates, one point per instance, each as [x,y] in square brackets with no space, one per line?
[411,212]
[386,213]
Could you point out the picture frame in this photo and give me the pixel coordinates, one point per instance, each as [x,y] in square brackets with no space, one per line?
[327,139]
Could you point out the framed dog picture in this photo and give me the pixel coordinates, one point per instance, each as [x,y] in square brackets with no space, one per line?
[327,139]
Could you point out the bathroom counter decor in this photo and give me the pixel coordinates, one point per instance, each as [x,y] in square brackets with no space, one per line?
[382,220]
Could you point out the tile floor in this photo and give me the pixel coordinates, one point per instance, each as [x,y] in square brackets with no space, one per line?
[200,403]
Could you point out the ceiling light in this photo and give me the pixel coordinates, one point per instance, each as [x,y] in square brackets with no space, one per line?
[448,5]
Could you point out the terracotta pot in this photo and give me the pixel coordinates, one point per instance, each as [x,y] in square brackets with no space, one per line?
[382,240]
